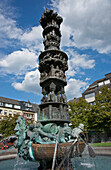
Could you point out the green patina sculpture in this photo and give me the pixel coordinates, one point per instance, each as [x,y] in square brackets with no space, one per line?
[53,119]
[39,134]
[22,142]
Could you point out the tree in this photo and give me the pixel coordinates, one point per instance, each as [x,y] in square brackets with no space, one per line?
[96,117]
[79,112]
[102,109]
[7,126]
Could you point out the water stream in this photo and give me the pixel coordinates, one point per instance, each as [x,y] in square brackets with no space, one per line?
[78,163]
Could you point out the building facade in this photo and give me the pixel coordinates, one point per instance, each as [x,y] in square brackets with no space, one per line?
[11,107]
[95,87]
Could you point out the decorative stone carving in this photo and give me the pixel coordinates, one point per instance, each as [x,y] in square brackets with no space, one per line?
[51,96]
[54,19]
[52,70]
[63,96]
[43,75]
[53,64]
[55,113]
[44,98]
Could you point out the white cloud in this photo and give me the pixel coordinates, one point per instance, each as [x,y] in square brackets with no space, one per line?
[8,27]
[87,79]
[12,35]
[71,73]
[30,83]
[33,38]
[77,61]
[88,23]
[18,62]
[66,34]
[8,31]
[75,88]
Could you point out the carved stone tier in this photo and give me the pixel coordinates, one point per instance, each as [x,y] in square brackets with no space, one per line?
[52,111]
[52,37]
[50,22]
[53,91]
[56,57]
[52,29]
[47,79]
[50,18]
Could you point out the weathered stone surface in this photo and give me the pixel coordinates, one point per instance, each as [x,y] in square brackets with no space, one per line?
[52,67]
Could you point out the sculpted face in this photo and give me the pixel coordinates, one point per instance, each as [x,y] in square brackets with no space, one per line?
[81,126]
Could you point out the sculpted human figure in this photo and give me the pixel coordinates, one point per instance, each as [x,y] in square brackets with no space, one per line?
[44,98]
[63,96]
[57,73]
[21,130]
[65,133]
[64,61]
[39,136]
[30,132]
[61,74]
[43,75]
[51,96]
[64,77]
[78,131]
[52,70]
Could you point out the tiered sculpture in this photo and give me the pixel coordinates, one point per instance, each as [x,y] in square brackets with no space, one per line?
[52,67]
[51,137]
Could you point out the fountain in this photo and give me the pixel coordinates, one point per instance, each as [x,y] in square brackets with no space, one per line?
[51,141]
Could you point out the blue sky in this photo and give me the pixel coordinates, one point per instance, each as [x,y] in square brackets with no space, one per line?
[86,38]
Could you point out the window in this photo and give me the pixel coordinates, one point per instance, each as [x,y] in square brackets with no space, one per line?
[18,113]
[0,111]
[28,105]
[17,106]
[100,84]
[8,105]
[25,115]
[10,112]
[5,112]
[92,103]
[26,108]
[92,87]
[1,104]
[14,112]
[107,81]
[30,116]
[89,95]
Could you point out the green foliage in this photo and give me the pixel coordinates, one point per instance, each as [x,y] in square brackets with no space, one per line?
[7,126]
[103,109]
[101,144]
[78,112]
[96,117]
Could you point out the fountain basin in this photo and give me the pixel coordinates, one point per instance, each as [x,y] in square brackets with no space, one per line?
[46,151]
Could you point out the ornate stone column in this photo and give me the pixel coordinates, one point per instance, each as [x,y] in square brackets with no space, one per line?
[52,67]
